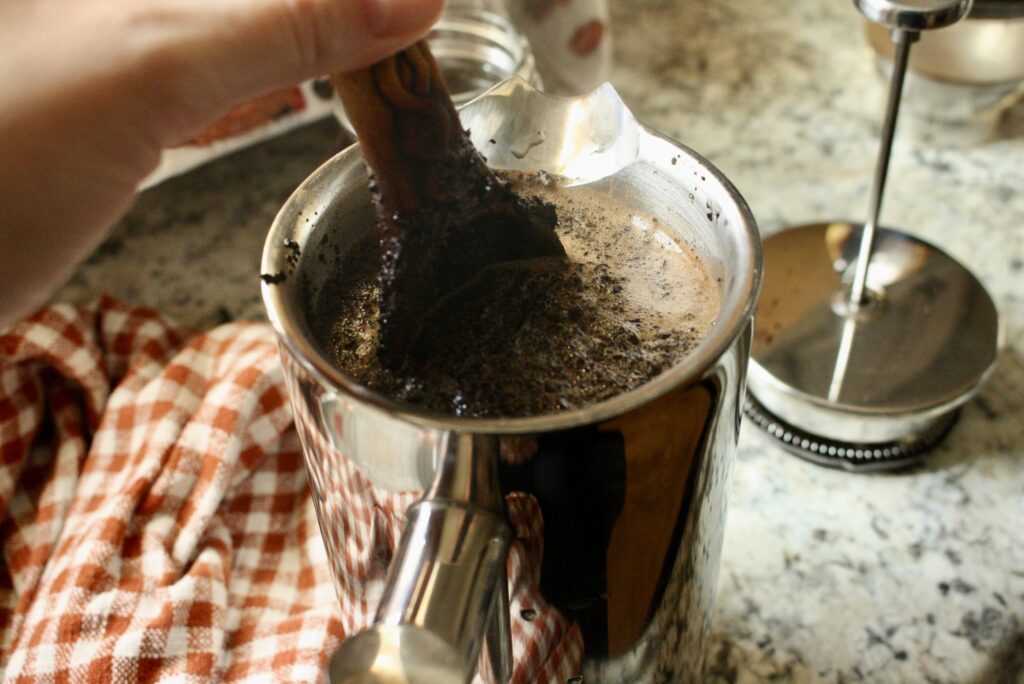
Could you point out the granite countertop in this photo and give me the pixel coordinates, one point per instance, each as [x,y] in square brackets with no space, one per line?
[826,576]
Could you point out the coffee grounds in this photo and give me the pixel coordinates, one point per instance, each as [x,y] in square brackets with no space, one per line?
[540,336]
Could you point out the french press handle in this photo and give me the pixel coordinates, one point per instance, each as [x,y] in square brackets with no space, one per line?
[446,590]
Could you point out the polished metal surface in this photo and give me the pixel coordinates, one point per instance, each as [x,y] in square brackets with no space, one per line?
[396,654]
[454,543]
[630,491]
[888,371]
[849,456]
[977,51]
[902,40]
[499,633]
[906,19]
[914,15]
[859,352]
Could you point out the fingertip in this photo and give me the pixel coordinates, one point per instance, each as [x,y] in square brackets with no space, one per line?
[393,18]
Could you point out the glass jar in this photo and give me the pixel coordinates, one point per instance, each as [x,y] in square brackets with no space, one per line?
[476,46]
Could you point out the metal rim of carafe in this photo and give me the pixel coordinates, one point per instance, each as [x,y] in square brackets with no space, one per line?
[730,323]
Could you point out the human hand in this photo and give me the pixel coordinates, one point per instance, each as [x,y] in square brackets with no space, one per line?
[93,91]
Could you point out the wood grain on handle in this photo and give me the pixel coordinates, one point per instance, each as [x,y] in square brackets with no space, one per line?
[406,122]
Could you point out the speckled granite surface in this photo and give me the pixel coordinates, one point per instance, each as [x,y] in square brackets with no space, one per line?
[826,577]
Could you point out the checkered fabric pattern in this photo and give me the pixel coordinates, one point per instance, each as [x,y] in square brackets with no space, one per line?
[155,520]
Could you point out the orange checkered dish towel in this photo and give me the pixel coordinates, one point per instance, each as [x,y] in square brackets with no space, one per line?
[156,522]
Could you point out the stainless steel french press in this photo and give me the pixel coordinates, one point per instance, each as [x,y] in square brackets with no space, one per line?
[631,491]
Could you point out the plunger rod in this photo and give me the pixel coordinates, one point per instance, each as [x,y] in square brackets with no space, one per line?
[902,39]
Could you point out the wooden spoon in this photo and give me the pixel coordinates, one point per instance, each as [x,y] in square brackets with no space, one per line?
[444,214]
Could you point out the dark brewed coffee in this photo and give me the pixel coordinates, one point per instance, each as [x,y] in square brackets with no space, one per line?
[539,336]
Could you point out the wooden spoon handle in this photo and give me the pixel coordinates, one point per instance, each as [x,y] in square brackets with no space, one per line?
[401,110]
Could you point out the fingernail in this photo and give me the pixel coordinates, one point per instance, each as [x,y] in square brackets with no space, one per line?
[397,17]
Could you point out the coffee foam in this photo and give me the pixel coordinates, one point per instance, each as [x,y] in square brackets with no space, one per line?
[660,274]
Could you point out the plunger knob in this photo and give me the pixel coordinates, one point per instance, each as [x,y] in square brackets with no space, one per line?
[914,15]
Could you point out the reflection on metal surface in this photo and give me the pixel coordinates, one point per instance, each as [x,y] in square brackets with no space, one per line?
[851,456]
[982,51]
[395,654]
[499,633]
[913,15]
[633,512]
[902,40]
[663,443]
[963,78]
[613,496]
[630,491]
[868,340]
[887,371]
